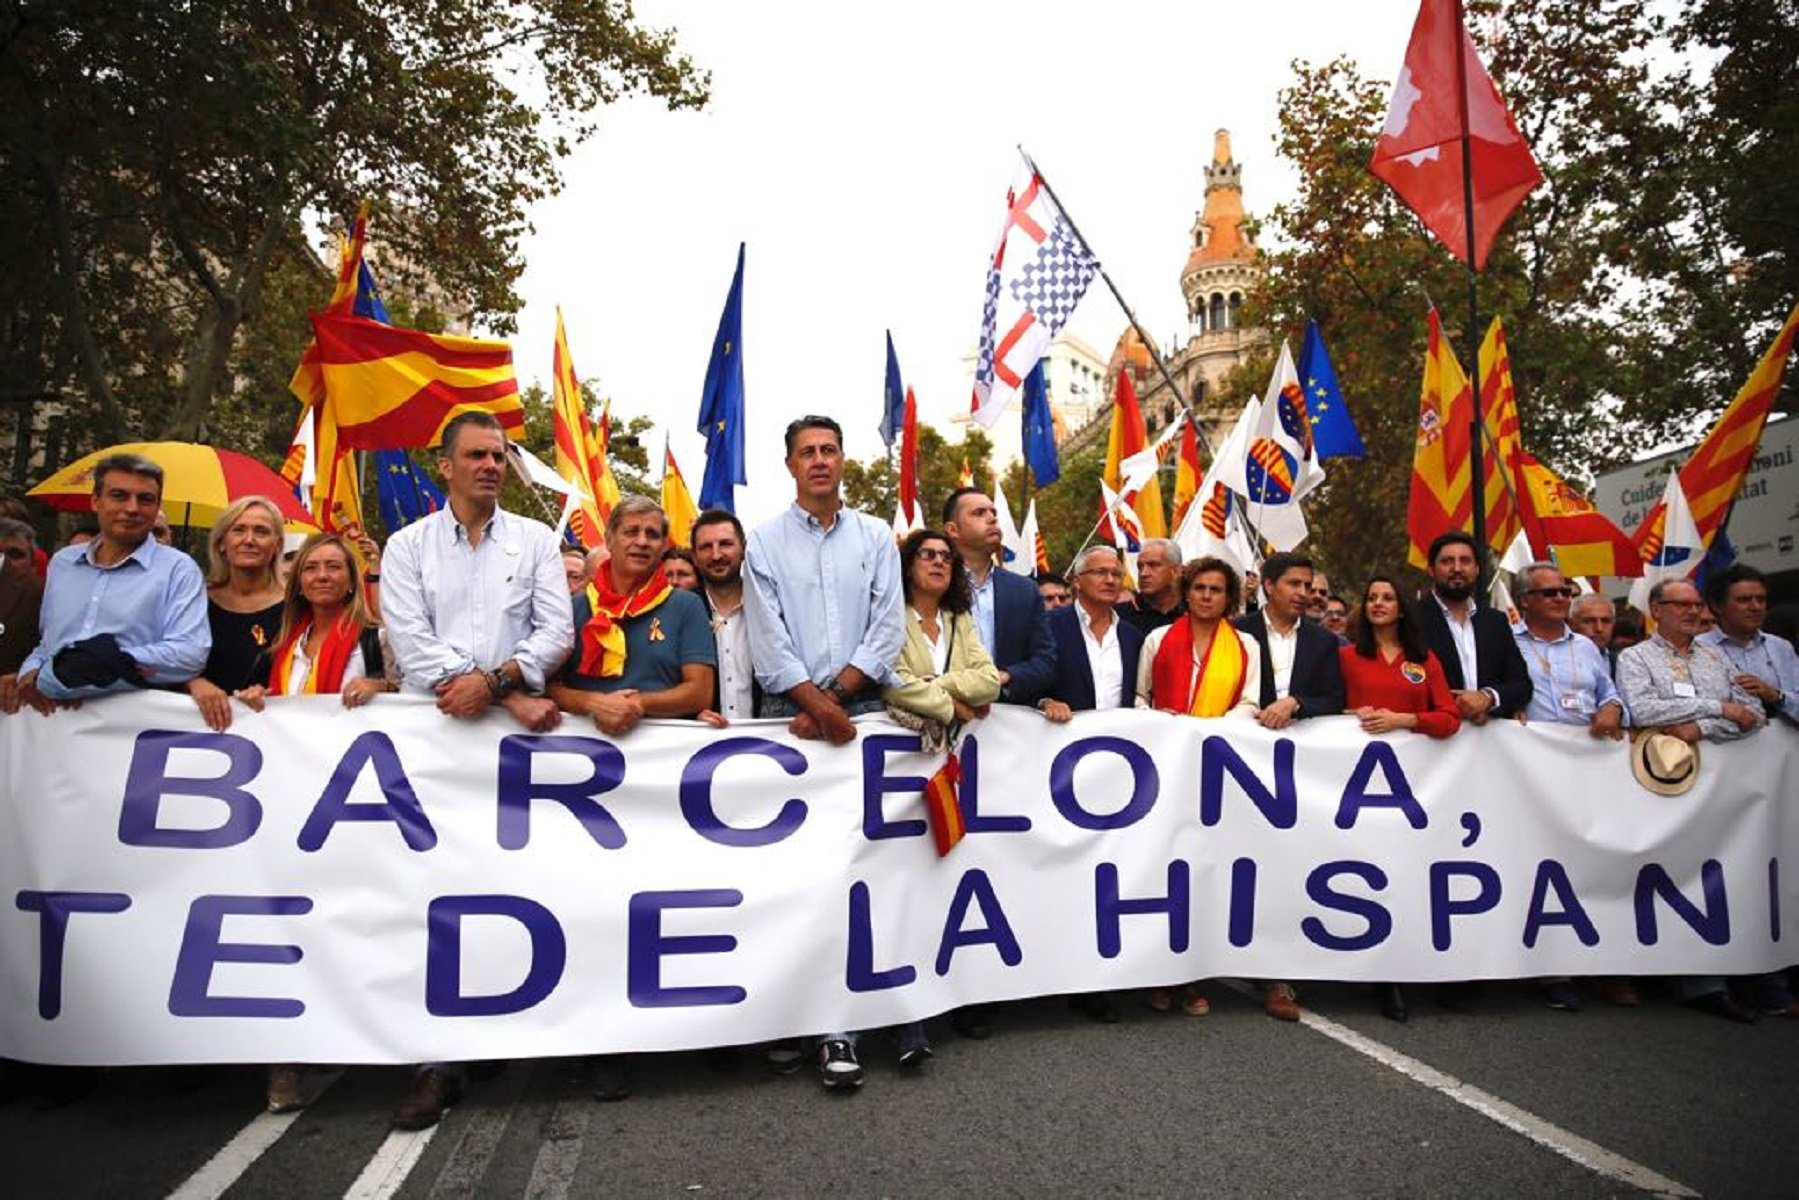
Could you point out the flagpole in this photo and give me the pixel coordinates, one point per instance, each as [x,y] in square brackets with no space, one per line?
[1471,335]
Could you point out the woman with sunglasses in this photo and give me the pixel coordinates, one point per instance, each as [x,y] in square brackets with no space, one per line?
[945,675]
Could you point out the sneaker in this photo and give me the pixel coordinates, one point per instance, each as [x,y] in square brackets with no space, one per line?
[785,1057]
[837,1065]
[287,1089]
[1561,996]
[433,1094]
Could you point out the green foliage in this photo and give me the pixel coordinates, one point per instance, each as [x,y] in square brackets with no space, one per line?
[873,486]
[160,163]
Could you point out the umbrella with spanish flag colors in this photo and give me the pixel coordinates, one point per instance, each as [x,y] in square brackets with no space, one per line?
[199,483]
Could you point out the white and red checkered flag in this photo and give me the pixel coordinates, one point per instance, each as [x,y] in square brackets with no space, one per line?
[1039,271]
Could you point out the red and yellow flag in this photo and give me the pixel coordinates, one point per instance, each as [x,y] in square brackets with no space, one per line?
[1187,474]
[390,388]
[677,501]
[336,499]
[1442,493]
[1130,435]
[1560,521]
[966,478]
[943,807]
[579,458]
[1714,475]
[1500,443]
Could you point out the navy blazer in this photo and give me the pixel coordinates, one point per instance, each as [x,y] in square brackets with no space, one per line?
[1317,679]
[1073,682]
[1022,645]
[1496,655]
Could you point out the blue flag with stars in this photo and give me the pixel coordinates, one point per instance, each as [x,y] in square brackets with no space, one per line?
[405,492]
[1333,429]
[893,399]
[1040,429]
[721,403]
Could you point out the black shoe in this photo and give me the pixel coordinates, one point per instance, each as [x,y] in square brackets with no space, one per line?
[916,1055]
[611,1079]
[1561,997]
[1097,1005]
[785,1056]
[1392,1002]
[1456,997]
[837,1066]
[971,1023]
[1719,1004]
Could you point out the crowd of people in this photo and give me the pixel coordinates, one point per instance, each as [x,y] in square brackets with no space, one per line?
[818,616]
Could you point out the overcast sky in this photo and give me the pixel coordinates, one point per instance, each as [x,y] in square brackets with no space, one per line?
[862,152]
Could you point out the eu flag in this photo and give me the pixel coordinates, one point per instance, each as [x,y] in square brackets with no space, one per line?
[368,299]
[721,403]
[1039,429]
[1333,429]
[405,491]
[893,407]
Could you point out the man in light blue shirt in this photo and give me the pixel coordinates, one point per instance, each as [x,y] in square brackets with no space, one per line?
[823,596]
[1571,683]
[121,611]
[1763,664]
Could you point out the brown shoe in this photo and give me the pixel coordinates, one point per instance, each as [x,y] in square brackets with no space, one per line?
[287,1088]
[1280,1002]
[433,1093]
[1620,992]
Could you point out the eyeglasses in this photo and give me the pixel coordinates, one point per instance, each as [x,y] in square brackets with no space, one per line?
[1554,593]
[935,554]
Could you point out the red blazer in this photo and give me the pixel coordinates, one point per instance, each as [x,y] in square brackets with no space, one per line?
[1377,683]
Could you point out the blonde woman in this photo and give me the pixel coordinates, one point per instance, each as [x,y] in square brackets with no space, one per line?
[243,602]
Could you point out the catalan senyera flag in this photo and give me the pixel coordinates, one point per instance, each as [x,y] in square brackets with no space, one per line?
[390,388]
[1442,496]
[1187,474]
[677,501]
[966,478]
[579,458]
[1501,444]
[1130,435]
[943,806]
[1559,520]
[308,382]
[1714,474]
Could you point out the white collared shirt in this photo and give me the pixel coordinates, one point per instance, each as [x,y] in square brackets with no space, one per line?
[736,671]
[1282,648]
[1106,659]
[1462,633]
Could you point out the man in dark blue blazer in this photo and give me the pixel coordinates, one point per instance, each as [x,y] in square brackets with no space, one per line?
[1096,651]
[1501,683]
[1008,610]
[1305,651]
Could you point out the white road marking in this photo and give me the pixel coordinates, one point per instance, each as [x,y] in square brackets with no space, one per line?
[237,1155]
[468,1160]
[392,1163]
[1547,1134]
[564,1135]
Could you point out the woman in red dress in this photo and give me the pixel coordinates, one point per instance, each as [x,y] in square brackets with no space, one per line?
[1391,681]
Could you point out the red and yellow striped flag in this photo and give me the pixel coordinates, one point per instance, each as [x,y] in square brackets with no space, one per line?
[1130,435]
[390,388]
[677,501]
[966,478]
[336,499]
[1442,493]
[579,458]
[1714,475]
[1558,519]
[943,806]
[1187,474]
[1501,474]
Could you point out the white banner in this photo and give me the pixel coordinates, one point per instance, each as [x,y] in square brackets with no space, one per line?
[386,885]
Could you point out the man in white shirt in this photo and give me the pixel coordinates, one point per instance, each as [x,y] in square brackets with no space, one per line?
[718,556]
[1096,651]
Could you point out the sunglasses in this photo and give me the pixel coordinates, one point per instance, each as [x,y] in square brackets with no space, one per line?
[935,554]
[1554,593]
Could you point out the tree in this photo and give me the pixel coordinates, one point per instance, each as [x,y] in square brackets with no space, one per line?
[164,161]
[873,487]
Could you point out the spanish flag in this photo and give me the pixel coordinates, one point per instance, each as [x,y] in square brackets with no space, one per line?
[390,388]
[1442,494]
[1500,445]
[1130,435]
[1713,476]
[1558,518]
[579,458]
[677,501]
[943,807]
[1187,474]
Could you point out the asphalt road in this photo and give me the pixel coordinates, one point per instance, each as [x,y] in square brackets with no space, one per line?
[1507,1099]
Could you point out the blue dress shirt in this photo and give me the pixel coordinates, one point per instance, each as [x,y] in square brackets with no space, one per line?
[153,601]
[818,599]
[1768,657]
[1570,678]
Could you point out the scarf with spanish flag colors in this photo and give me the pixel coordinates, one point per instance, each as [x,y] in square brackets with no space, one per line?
[603,637]
[1221,671]
[326,674]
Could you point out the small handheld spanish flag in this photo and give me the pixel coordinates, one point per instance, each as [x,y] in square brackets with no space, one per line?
[943,807]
